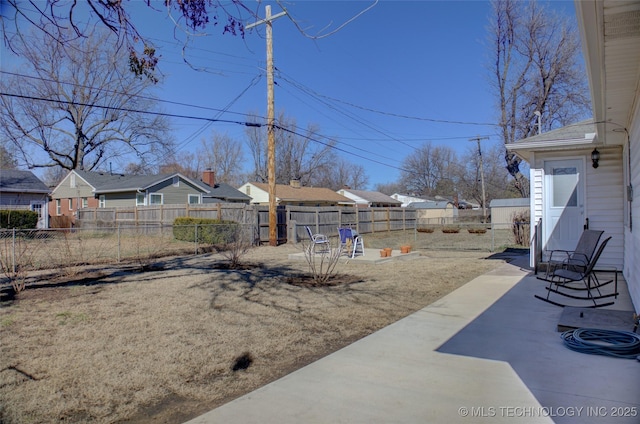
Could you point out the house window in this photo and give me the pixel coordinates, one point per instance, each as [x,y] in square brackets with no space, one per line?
[141,199]
[102,201]
[58,207]
[85,202]
[194,199]
[72,180]
[70,204]
[155,199]
[176,181]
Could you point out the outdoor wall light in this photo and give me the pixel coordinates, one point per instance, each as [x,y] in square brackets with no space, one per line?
[595,158]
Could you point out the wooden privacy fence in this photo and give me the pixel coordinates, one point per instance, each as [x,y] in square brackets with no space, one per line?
[291,220]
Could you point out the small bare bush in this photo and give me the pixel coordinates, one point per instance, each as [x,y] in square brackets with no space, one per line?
[15,260]
[322,261]
[521,228]
[239,240]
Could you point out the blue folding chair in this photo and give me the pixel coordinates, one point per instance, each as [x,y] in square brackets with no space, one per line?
[350,242]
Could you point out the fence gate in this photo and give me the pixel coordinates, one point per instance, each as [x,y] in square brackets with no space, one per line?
[281,224]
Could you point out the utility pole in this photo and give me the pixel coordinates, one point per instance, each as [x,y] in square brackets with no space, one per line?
[271,137]
[484,197]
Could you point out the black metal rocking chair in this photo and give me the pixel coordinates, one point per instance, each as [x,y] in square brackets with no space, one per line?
[577,259]
[562,278]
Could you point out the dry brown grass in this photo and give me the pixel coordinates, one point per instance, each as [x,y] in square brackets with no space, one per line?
[161,346]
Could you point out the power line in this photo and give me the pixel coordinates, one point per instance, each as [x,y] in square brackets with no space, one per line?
[121,109]
[225,110]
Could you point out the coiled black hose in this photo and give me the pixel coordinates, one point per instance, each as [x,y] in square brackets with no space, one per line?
[620,344]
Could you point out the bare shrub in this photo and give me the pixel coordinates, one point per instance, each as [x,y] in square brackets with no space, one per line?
[521,228]
[322,263]
[239,240]
[15,260]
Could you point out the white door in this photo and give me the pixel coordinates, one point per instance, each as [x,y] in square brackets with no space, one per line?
[564,203]
[39,207]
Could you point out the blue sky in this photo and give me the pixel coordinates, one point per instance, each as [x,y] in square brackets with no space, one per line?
[380,86]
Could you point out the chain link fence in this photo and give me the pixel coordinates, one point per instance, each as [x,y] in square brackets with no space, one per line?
[23,251]
[460,236]
[30,250]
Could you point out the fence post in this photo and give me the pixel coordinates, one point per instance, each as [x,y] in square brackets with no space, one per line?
[195,239]
[493,238]
[13,252]
[118,247]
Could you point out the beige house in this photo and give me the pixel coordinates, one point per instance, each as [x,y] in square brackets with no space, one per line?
[503,211]
[295,195]
[435,212]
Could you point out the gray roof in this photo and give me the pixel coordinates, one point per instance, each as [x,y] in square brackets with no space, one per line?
[430,205]
[12,180]
[575,131]
[225,191]
[104,182]
[515,202]
[374,196]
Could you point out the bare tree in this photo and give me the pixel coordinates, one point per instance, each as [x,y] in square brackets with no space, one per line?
[224,156]
[78,104]
[343,173]
[498,184]
[58,21]
[7,158]
[391,188]
[304,155]
[430,171]
[535,68]
[186,163]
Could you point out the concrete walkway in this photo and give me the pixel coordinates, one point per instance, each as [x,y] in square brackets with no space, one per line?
[404,373]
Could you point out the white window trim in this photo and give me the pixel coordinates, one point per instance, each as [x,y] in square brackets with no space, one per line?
[70,204]
[144,199]
[102,201]
[58,207]
[196,196]
[85,202]
[152,195]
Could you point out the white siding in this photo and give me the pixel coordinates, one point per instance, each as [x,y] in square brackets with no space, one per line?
[257,195]
[536,176]
[605,203]
[632,235]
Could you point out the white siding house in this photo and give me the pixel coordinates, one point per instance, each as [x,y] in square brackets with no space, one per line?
[569,190]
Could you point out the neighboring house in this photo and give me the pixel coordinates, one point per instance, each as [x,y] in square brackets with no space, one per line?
[366,199]
[82,189]
[23,190]
[406,199]
[221,192]
[294,194]
[504,210]
[589,173]
[435,212]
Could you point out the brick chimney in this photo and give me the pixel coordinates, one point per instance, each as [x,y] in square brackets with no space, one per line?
[209,177]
